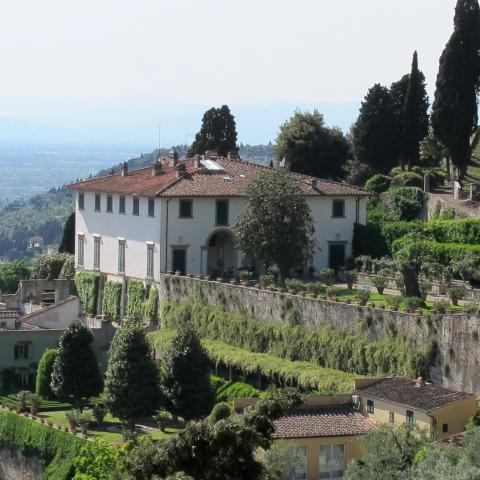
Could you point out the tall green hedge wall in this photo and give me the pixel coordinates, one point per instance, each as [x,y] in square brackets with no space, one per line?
[87,288]
[112,297]
[136,297]
[327,347]
[55,448]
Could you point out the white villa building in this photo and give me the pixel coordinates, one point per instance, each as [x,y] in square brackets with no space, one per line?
[178,215]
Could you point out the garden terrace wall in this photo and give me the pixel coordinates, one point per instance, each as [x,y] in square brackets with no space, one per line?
[457,363]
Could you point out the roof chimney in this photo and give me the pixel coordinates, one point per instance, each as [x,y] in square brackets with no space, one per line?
[124,169]
[157,168]
[233,155]
[420,382]
[180,169]
[314,183]
[196,162]
[211,154]
[172,157]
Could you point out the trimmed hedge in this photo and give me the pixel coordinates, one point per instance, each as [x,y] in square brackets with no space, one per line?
[49,265]
[55,448]
[112,297]
[136,297]
[327,347]
[368,240]
[87,288]
[44,374]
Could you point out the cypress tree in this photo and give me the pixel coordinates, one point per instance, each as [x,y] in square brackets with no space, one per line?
[44,374]
[67,244]
[415,116]
[454,112]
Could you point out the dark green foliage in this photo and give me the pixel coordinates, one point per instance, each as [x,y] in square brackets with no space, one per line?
[186,376]
[75,370]
[136,297]
[10,275]
[415,116]
[87,288]
[375,132]
[49,265]
[276,225]
[407,201]
[368,240]
[98,461]
[432,151]
[454,112]
[56,449]
[44,374]
[312,148]
[341,350]
[67,244]
[151,306]
[68,269]
[378,183]
[220,411]
[218,132]
[112,297]
[407,179]
[131,382]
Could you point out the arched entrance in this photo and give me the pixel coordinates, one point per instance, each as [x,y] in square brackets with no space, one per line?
[221,254]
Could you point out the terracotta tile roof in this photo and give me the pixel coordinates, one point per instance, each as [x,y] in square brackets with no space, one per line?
[308,422]
[405,392]
[231,181]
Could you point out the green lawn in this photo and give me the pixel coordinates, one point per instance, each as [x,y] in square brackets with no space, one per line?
[102,433]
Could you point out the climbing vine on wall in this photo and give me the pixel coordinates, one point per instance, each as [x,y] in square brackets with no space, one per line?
[112,297]
[151,305]
[87,288]
[136,297]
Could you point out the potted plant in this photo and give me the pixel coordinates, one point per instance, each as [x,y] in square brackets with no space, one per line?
[84,419]
[22,398]
[34,401]
[99,411]
[350,278]
[441,306]
[72,418]
[162,417]
[456,293]
[380,281]
[327,275]
[470,308]
[412,304]
[394,302]
[332,293]
[362,297]
[245,277]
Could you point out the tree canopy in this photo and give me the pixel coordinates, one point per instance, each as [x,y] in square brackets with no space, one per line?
[11,273]
[75,370]
[276,225]
[186,376]
[131,382]
[454,111]
[218,132]
[312,148]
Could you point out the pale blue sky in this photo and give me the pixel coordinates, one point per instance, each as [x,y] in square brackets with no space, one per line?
[66,62]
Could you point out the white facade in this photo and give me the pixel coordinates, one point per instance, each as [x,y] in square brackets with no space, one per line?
[208,246]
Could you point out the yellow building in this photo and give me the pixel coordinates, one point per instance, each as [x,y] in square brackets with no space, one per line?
[441,411]
[325,431]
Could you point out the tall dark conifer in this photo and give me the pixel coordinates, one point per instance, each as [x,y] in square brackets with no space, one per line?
[415,116]
[454,113]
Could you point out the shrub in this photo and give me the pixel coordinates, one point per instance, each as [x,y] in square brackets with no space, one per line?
[441,306]
[136,296]
[470,307]
[394,301]
[112,297]
[378,183]
[407,201]
[162,417]
[332,292]
[294,285]
[380,281]
[49,265]
[34,403]
[315,288]
[456,293]
[246,275]
[327,275]
[232,390]
[87,288]
[68,268]
[267,280]
[364,263]
[151,306]
[22,398]
[408,179]
[350,277]
[221,411]
[363,296]
[44,374]
[413,303]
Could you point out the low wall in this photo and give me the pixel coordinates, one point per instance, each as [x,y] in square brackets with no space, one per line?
[458,359]
[16,466]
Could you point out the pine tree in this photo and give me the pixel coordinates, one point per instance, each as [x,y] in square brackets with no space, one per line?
[454,112]
[218,132]
[75,371]
[186,379]
[131,382]
[375,133]
[415,124]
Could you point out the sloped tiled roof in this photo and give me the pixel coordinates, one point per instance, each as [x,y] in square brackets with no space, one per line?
[309,422]
[230,181]
[405,392]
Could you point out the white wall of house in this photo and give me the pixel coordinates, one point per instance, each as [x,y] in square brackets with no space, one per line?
[193,234]
[137,231]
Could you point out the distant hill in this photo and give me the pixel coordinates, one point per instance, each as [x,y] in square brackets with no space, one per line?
[45,214]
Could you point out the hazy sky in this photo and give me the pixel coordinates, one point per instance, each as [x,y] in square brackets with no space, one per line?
[59,57]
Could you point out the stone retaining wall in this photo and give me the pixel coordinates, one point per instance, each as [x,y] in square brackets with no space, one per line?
[457,336]
[16,466]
